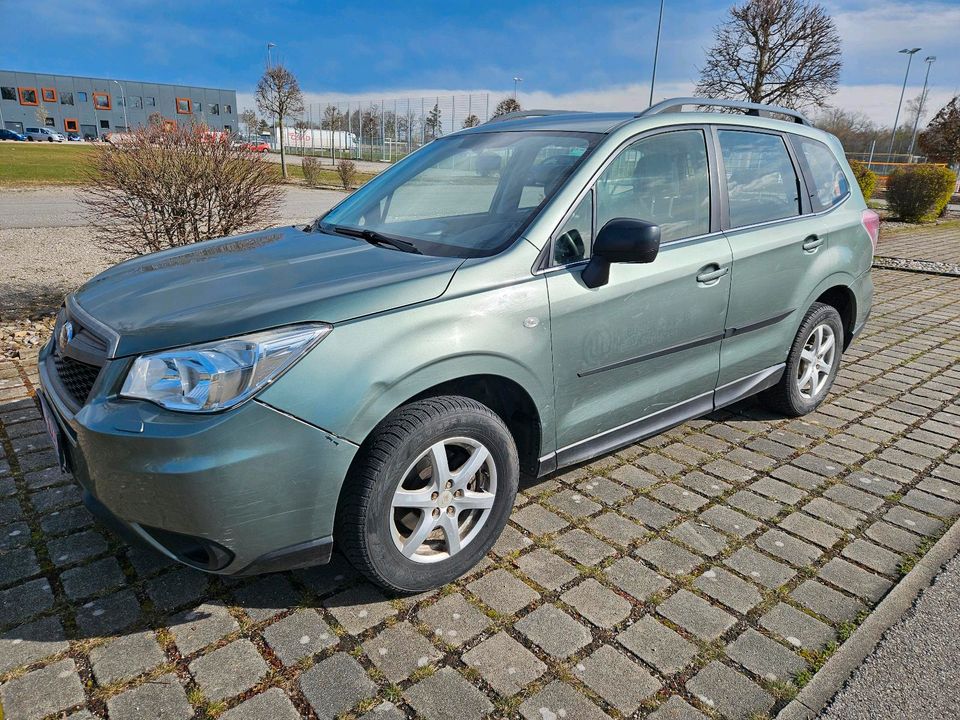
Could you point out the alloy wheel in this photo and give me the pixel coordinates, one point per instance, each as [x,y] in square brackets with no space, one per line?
[443,500]
[816,361]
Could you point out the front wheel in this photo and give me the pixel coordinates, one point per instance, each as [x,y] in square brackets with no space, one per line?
[812,364]
[429,494]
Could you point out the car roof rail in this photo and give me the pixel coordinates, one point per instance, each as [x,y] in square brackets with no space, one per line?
[519,114]
[749,108]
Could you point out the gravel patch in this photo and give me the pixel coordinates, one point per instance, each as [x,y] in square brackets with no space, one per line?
[924,266]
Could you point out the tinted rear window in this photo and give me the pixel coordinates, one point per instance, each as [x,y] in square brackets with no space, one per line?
[830,184]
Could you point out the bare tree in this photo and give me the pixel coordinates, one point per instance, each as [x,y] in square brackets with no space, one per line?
[249,121]
[470,121]
[941,138]
[434,122]
[854,129]
[332,118]
[41,113]
[278,95]
[784,52]
[163,188]
[507,105]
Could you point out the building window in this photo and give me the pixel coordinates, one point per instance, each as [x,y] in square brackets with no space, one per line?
[135,101]
[228,109]
[215,109]
[151,102]
[102,101]
[71,124]
[49,122]
[8,93]
[66,98]
[28,96]
[227,128]
[105,124]
[184,106]
[49,94]
[82,96]
[197,108]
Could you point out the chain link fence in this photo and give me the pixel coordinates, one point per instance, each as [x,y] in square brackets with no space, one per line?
[380,129]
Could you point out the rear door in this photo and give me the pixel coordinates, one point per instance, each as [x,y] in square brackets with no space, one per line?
[776,246]
[642,351]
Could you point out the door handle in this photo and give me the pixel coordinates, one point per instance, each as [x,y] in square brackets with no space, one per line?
[811,243]
[711,277]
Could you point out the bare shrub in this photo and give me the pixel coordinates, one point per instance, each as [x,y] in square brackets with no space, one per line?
[347,170]
[311,170]
[165,188]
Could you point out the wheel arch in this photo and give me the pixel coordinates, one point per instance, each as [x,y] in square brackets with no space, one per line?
[842,299]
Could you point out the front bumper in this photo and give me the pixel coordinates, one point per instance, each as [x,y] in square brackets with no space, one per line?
[253,489]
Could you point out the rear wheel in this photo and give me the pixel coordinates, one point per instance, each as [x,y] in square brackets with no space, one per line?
[430,493]
[812,364]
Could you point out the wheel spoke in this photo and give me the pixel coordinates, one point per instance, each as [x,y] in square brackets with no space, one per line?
[438,461]
[808,355]
[470,468]
[825,346]
[421,499]
[807,377]
[424,527]
[474,501]
[451,531]
[819,340]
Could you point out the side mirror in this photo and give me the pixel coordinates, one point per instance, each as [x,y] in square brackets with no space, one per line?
[621,240]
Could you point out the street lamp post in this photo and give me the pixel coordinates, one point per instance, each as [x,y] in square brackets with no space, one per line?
[123,99]
[516,80]
[656,53]
[269,62]
[929,60]
[893,136]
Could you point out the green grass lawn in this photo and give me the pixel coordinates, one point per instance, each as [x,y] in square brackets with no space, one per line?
[33,164]
[26,164]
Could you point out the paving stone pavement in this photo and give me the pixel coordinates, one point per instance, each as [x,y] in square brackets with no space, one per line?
[938,243]
[706,572]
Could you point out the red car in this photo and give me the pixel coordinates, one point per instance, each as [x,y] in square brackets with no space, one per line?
[258,146]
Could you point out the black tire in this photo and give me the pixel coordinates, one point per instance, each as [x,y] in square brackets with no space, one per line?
[365,517]
[785,397]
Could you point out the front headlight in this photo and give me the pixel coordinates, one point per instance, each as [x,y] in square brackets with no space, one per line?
[218,375]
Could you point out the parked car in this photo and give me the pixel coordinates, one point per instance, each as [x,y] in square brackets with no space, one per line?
[10,135]
[258,146]
[381,378]
[43,134]
[74,137]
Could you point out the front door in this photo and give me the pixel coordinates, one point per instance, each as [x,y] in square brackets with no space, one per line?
[643,351]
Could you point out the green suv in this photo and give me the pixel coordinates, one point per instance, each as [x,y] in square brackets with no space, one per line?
[513,298]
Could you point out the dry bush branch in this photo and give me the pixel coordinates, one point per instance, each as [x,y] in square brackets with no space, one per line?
[160,189]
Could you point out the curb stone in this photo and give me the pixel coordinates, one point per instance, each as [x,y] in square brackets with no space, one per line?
[818,693]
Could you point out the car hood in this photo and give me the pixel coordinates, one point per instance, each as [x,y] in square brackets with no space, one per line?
[237,285]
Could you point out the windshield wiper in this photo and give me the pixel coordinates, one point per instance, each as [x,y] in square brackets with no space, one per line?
[375,238]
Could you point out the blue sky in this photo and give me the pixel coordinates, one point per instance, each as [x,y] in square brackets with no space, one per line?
[570,53]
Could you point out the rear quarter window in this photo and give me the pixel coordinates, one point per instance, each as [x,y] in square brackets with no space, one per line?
[830,183]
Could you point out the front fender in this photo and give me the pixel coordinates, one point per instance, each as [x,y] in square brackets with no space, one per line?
[366,368]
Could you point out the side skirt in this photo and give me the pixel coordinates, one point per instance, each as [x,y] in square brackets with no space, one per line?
[657,422]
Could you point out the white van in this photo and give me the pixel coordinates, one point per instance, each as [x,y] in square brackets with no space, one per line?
[42,134]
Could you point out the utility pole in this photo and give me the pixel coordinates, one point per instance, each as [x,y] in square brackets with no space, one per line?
[893,136]
[656,54]
[123,101]
[929,60]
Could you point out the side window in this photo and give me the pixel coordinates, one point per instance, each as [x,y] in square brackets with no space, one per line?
[662,179]
[829,182]
[573,239]
[761,182]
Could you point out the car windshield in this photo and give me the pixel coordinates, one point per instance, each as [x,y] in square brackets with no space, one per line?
[465,195]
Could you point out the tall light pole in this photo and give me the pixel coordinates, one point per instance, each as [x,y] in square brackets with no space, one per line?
[123,100]
[656,53]
[269,62]
[929,60]
[893,136]
[516,80]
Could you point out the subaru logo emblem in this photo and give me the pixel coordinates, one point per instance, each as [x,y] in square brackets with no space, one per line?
[66,333]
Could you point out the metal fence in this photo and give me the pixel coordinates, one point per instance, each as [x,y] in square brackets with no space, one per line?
[383,129]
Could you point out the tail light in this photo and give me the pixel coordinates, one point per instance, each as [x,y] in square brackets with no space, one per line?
[871,223]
